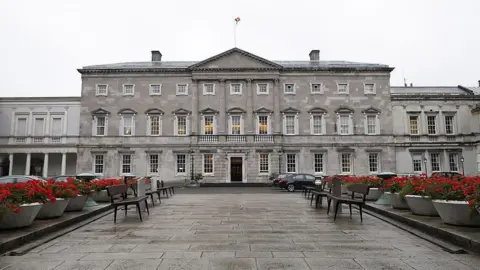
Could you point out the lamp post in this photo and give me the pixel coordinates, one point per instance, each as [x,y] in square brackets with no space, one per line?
[463,167]
[280,154]
[426,169]
[192,168]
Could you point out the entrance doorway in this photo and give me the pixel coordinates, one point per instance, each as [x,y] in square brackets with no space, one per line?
[236,169]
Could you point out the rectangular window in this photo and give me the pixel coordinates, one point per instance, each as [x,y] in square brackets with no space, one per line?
[21,128]
[262,88]
[102,89]
[209,89]
[346,162]
[417,163]
[435,162]
[127,125]
[235,89]
[236,121]
[344,124]
[126,164]
[289,89]
[264,168]
[343,88]
[99,164]
[373,162]
[431,124]
[263,124]
[101,121]
[413,124]
[153,168]
[208,163]
[208,124]
[155,89]
[453,162]
[57,126]
[155,125]
[181,164]
[128,89]
[39,127]
[449,124]
[317,124]
[181,125]
[371,124]
[291,163]
[369,88]
[182,89]
[290,124]
[318,163]
[316,88]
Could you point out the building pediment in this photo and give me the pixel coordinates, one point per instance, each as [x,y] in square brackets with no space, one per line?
[371,110]
[236,110]
[181,111]
[153,111]
[100,111]
[344,109]
[235,59]
[208,111]
[290,110]
[263,110]
[317,110]
[127,111]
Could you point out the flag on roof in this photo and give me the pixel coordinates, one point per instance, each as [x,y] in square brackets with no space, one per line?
[237,19]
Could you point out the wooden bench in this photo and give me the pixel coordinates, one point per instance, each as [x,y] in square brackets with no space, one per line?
[354,188]
[118,197]
[306,191]
[319,194]
[149,193]
[165,189]
[171,189]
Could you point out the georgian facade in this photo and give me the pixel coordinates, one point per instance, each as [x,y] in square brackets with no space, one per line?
[239,117]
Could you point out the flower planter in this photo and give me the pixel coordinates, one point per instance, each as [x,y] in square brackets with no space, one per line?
[53,210]
[101,196]
[397,201]
[24,218]
[421,206]
[77,203]
[374,194]
[457,213]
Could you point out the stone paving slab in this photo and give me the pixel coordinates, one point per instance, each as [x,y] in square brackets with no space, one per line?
[208,231]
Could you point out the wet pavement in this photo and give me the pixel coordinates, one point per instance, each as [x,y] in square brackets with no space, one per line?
[218,229]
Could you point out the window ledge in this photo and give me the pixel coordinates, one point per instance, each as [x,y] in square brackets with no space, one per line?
[315,93]
[289,94]
[258,93]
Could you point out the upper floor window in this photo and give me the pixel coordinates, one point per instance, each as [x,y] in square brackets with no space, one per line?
[290,124]
[182,89]
[316,88]
[346,163]
[57,126]
[373,162]
[209,89]
[39,126]
[127,125]
[342,88]
[181,125]
[317,124]
[153,163]
[345,125]
[21,126]
[449,125]
[209,125]
[263,124]
[99,164]
[369,88]
[154,125]
[413,124]
[262,89]
[155,89]
[289,88]
[100,126]
[126,164]
[236,126]
[102,89]
[432,124]
[235,89]
[128,89]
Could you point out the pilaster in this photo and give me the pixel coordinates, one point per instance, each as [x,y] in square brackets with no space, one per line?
[194,125]
[276,106]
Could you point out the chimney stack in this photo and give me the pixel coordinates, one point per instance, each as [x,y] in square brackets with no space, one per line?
[411,84]
[315,55]
[156,56]
[478,83]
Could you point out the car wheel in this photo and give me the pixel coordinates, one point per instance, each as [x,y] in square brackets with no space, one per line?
[291,188]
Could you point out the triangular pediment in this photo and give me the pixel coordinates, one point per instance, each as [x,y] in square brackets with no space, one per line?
[263,110]
[154,111]
[236,110]
[344,109]
[318,110]
[235,59]
[290,110]
[100,111]
[208,111]
[371,110]
[127,111]
[181,111]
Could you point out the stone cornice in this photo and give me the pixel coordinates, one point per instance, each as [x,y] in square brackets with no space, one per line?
[433,97]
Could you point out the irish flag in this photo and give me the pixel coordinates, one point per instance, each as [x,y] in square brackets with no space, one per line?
[237,20]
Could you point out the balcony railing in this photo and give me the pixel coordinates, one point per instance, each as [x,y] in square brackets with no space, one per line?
[236,138]
[208,138]
[263,138]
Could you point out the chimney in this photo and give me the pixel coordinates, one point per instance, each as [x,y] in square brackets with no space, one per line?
[478,83]
[406,85]
[411,84]
[315,55]
[156,56]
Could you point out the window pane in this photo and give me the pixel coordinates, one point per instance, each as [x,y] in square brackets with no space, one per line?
[342,88]
[208,125]
[435,162]
[127,125]
[373,162]
[264,163]
[369,88]
[99,164]
[182,88]
[449,124]
[155,89]
[21,127]
[153,163]
[100,125]
[39,127]
[262,124]
[236,120]
[414,125]
[57,126]
[262,88]
[289,88]
[453,162]
[181,164]
[102,89]
[344,124]
[155,125]
[345,163]
[181,125]
[417,163]
[208,163]
[209,88]
[236,88]
[291,163]
[318,163]
[371,124]
[290,124]
[316,88]
[317,124]
[431,125]
[126,164]
[128,89]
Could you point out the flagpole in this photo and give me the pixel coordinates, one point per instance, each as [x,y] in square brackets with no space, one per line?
[235,34]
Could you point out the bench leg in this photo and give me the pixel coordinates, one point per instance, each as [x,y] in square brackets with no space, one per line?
[125,210]
[115,215]
[311,200]
[350,206]
[171,193]
[165,192]
[173,190]
[329,203]
[159,200]
[139,212]
[153,200]
[146,206]
[319,198]
[361,218]
[337,204]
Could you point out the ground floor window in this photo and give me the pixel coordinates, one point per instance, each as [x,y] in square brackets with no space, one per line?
[126,164]
[153,163]
[417,163]
[208,163]
[453,162]
[318,163]
[435,162]
[373,162]
[181,164]
[264,168]
[99,164]
[346,162]
[291,163]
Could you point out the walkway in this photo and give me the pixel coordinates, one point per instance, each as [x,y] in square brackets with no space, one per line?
[270,230]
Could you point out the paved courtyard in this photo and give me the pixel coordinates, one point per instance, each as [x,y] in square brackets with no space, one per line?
[206,229]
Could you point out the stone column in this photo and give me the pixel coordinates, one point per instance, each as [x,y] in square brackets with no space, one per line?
[248,127]
[222,93]
[276,106]
[45,165]
[10,164]
[27,164]
[195,100]
[64,163]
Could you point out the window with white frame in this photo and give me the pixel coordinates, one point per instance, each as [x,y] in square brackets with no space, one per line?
[128,89]
[344,124]
[235,89]
[99,164]
[155,89]
[263,163]
[181,164]
[318,163]
[39,126]
[263,125]
[102,89]
[181,125]
[369,88]
[373,162]
[317,124]
[262,89]
[126,163]
[21,127]
[208,163]
[57,126]
[100,125]
[346,162]
[153,163]
[209,89]
[290,124]
[417,163]
[413,124]
[342,88]
[154,125]
[291,163]
[431,124]
[128,125]
[435,162]
[449,125]
[235,124]
[453,162]
[371,124]
[289,88]
[208,124]
[316,88]
[182,89]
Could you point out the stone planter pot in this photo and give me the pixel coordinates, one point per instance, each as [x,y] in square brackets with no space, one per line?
[24,218]
[421,206]
[397,201]
[77,203]
[53,210]
[374,194]
[457,213]
[101,196]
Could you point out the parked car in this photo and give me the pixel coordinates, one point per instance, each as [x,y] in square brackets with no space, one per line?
[19,179]
[278,178]
[295,181]
[447,174]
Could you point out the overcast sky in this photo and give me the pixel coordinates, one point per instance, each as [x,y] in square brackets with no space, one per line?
[430,42]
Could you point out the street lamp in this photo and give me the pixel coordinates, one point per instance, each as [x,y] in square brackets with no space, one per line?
[191,165]
[426,169]
[463,167]
[280,153]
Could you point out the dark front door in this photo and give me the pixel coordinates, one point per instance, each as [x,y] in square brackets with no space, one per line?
[236,169]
